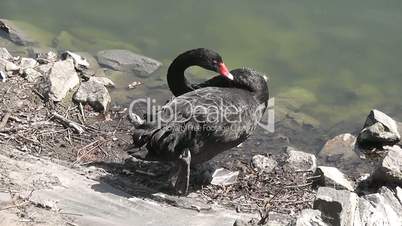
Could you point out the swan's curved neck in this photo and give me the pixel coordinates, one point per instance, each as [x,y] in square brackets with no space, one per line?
[177,82]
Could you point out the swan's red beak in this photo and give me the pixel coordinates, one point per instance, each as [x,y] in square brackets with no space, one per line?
[223,70]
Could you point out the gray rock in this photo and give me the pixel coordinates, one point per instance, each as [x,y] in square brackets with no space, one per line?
[4,54]
[339,149]
[103,80]
[263,163]
[390,169]
[62,78]
[80,62]
[343,153]
[88,73]
[337,207]
[44,69]
[379,130]
[300,161]
[332,177]
[381,208]
[46,57]
[15,34]
[95,94]
[310,217]
[31,75]
[124,60]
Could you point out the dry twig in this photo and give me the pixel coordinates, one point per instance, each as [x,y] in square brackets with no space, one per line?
[68,123]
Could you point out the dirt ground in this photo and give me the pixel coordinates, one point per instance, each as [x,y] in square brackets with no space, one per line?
[28,124]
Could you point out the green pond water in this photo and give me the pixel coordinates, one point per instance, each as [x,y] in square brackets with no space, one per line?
[329,62]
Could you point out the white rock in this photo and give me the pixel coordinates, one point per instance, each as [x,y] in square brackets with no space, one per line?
[263,163]
[3,63]
[80,62]
[95,94]
[31,75]
[224,177]
[399,194]
[11,67]
[103,80]
[98,203]
[93,63]
[4,54]
[3,76]
[136,83]
[332,177]
[309,217]
[63,78]
[300,161]
[46,57]
[28,63]
[382,208]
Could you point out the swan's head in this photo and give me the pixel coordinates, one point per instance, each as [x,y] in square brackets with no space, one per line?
[211,60]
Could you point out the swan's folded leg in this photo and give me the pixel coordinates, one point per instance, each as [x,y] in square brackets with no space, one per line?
[183,176]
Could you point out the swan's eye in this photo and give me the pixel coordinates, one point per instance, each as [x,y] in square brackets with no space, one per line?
[215,61]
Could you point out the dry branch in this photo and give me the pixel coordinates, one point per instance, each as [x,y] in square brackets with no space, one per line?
[5,120]
[67,122]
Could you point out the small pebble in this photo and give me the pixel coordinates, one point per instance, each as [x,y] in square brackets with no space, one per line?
[134,85]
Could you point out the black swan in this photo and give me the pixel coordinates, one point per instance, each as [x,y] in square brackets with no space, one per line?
[202,120]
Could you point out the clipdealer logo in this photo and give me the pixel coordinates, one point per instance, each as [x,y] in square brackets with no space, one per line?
[212,117]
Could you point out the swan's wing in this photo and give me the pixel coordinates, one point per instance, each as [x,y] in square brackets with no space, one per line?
[203,118]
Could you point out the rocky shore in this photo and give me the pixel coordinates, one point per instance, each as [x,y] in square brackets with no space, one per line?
[63,159]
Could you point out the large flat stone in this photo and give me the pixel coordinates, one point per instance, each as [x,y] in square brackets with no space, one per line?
[125,60]
[86,202]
